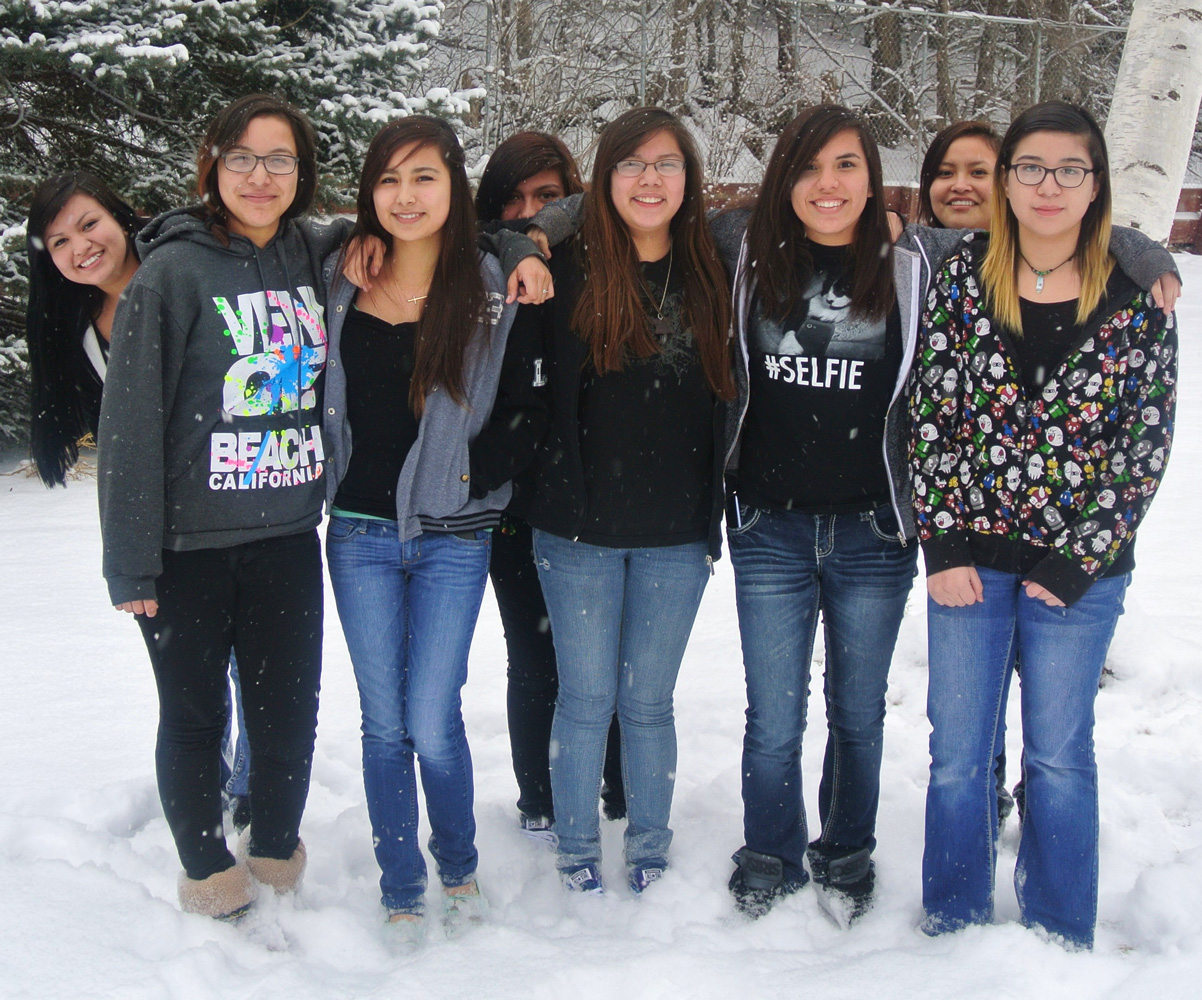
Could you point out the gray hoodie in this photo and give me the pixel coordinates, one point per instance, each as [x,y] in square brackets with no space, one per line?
[210,428]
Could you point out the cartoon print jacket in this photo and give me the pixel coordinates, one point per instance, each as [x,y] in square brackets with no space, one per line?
[1072,470]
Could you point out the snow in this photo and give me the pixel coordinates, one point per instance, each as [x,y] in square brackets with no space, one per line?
[88,870]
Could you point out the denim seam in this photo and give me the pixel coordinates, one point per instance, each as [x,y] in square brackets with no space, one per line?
[822,521]
[870,518]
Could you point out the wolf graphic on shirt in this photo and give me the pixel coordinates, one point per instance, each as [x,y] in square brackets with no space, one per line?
[821,325]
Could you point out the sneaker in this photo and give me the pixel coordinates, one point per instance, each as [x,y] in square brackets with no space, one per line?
[583,878]
[465,908]
[539,828]
[405,930]
[845,884]
[641,876]
[759,881]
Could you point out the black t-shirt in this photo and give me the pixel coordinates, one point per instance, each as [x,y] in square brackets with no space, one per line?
[1053,330]
[378,360]
[821,383]
[647,434]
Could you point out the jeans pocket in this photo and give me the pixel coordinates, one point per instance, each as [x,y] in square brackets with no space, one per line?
[474,539]
[740,517]
[883,522]
[340,528]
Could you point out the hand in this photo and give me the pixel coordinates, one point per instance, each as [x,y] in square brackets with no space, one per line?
[1038,593]
[147,608]
[540,240]
[363,259]
[530,283]
[895,225]
[957,587]
[1165,291]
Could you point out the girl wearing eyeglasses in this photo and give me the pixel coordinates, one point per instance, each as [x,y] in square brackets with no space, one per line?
[627,499]
[1043,418]
[211,470]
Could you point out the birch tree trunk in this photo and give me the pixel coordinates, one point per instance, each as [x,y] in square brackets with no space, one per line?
[1152,116]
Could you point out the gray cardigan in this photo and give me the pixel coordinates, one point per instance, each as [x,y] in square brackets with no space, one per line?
[435,478]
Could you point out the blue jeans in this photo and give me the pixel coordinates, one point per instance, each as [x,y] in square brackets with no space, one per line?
[408,611]
[621,620]
[788,567]
[971,651]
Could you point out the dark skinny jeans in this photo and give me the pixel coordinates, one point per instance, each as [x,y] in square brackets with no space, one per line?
[263,599]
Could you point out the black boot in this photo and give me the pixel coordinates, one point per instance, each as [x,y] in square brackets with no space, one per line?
[759,881]
[240,812]
[1005,801]
[845,884]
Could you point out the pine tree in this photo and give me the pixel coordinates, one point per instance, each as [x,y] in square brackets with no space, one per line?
[124,87]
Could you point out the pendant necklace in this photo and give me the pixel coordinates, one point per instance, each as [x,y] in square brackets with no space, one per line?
[393,291]
[1040,275]
[659,310]
[660,329]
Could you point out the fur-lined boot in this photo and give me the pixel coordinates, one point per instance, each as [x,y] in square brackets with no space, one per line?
[225,896]
[283,875]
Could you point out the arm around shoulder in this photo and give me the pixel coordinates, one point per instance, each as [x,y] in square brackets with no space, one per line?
[1141,258]
[507,444]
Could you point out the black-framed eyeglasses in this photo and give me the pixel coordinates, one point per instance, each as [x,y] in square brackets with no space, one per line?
[670,167]
[1032,174]
[245,163]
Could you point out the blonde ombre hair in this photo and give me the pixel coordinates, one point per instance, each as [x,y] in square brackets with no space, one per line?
[999,272]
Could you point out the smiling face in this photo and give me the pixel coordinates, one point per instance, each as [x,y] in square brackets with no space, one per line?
[648,203]
[412,198]
[1047,210]
[960,192]
[255,202]
[532,194]
[830,194]
[88,245]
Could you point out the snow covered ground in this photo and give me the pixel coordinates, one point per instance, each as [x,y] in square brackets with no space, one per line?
[88,869]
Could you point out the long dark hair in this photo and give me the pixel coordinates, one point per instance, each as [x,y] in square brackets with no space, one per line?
[936,153]
[609,315]
[456,298]
[775,236]
[999,271]
[62,410]
[224,131]
[519,158]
